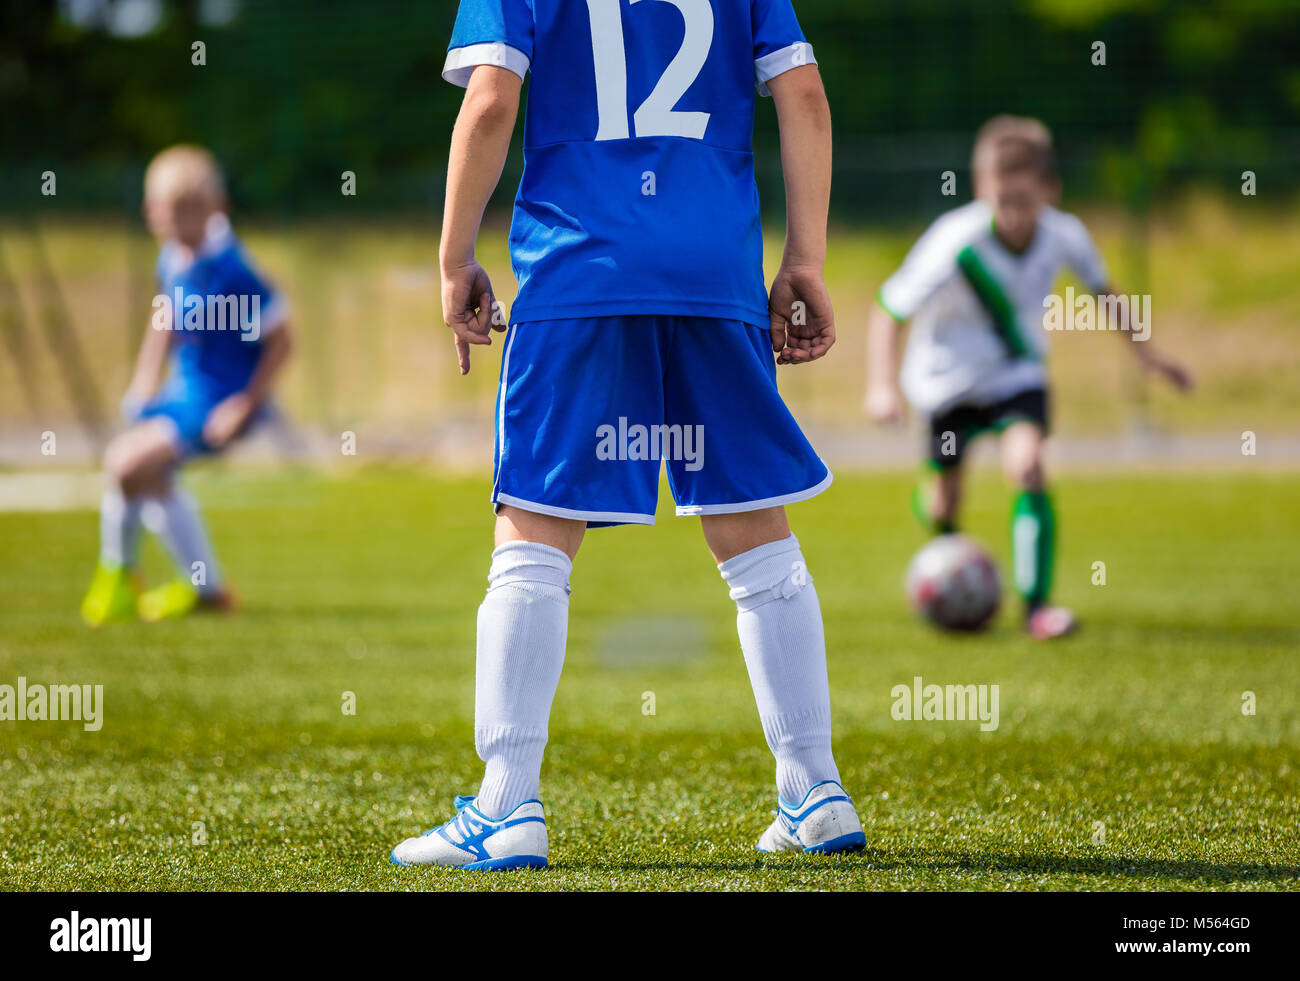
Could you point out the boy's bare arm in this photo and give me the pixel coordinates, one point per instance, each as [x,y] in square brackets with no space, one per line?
[275,352]
[229,416]
[149,364]
[802,320]
[884,403]
[479,145]
[1148,357]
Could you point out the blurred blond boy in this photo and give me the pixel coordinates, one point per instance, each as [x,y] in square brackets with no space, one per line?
[217,341]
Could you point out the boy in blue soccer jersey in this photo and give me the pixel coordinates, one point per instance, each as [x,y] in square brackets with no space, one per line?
[223,328]
[641,331]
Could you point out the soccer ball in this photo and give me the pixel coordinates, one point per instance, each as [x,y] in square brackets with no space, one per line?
[953,583]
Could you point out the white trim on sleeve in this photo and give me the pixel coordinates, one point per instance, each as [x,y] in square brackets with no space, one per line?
[273,316]
[461,62]
[779,62]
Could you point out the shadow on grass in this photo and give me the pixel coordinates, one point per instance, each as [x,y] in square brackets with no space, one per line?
[989,862]
[1136,868]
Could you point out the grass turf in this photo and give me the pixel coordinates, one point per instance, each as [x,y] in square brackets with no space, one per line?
[1123,759]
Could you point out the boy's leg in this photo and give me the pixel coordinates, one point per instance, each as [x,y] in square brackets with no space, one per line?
[522,627]
[552,479]
[1033,524]
[1033,528]
[549,483]
[780,626]
[739,479]
[119,529]
[937,503]
[173,515]
[135,464]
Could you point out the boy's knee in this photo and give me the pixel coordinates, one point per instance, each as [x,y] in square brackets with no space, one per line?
[1022,459]
[118,464]
[134,472]
[1027,475]
[729,535]
[515,524]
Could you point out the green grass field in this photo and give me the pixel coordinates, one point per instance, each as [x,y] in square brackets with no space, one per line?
[1123,759]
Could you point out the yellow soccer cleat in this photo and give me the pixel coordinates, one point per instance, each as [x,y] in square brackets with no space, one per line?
[111,597]
[170,601]
[178,598]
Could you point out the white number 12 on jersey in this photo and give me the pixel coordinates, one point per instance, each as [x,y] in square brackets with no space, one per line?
[656,116]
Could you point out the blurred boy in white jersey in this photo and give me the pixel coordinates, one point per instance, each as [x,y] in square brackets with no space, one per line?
[974,289]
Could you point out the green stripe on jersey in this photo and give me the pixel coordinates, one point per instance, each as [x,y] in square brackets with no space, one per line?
[880,300]
[996,302]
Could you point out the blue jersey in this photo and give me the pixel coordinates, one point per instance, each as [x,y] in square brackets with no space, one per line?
[638,193]
[221,309]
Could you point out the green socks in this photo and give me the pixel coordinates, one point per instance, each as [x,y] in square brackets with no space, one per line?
[1033,545]
[1033,540]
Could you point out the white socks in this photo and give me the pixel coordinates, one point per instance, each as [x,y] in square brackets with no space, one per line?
[780,626]
[119,528]
[523,623]
[522,626]
[174,517]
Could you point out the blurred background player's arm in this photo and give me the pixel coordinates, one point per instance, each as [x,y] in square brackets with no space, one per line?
[884,402]
[229,416]
[1148,357]
[804,118]
[479,144]
[150,364]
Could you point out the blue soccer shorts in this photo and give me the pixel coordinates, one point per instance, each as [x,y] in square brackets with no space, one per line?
[588,408]
[186,405]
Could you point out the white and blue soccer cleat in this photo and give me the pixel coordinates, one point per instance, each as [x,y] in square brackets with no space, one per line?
[824,823]
[471,840]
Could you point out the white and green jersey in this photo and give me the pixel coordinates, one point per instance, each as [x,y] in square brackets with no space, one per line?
[976,308]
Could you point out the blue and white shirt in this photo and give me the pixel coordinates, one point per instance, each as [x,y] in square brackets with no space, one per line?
[221,308]
[638,192]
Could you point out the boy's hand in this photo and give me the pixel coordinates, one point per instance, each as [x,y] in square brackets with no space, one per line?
[802,321]
[884,404]
[469,308]
[1171,371]
[133,402]
[228,419]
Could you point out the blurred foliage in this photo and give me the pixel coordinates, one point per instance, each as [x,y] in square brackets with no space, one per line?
[295,92]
